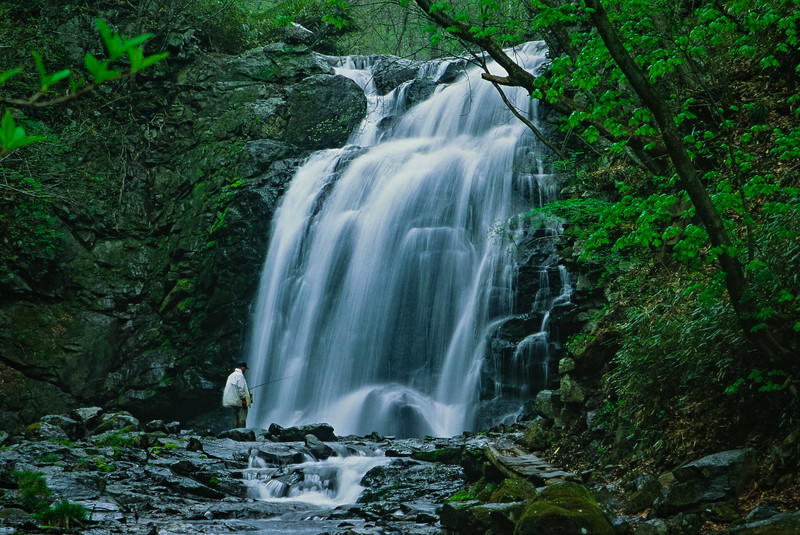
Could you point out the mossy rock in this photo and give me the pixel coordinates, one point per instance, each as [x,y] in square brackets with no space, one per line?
[564,509]
[441,455]
[39,431]
[513,490]
[122,421]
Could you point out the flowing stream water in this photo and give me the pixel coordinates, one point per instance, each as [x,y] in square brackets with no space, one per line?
[385,274]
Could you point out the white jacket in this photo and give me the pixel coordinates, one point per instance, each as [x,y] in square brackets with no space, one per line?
[235,390]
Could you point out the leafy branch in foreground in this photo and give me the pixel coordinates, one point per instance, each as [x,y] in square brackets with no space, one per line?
[119,48]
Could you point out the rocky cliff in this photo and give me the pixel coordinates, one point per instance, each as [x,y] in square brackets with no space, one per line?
[143,303]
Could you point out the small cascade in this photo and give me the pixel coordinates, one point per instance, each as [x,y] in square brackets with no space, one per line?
[329,482]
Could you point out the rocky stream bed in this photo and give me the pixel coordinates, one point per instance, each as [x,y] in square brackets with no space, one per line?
[159,479]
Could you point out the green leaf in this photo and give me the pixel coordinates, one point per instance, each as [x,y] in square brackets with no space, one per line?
[13,136]
[135,42]
[46,80]
[92,64]
[8,74]
[100,70]
[155,58]
[39,64]
[113,41]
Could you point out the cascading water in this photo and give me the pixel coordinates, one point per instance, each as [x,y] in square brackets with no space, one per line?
[382,280]
[329,482]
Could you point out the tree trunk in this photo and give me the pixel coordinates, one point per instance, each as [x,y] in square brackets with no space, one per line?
[684,167]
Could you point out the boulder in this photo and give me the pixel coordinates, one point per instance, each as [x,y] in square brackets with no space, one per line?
[644,496]
[459,517]
[118,421]
[389,72]
[239,435]
[546,403]
[295,34]
[715,478]
[563,509]
[571,390]
[322,111]
[479,518]
[782,524]
[45,431]
[324,432]
[513,490]
[319,449]
[87,416]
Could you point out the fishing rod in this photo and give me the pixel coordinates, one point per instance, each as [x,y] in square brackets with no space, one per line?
[273,381]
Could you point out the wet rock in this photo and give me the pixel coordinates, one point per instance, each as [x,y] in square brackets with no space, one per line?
[226,449]
[389,72]
[715,478]
[70,426]
[118,421]
[319,449]
[547,402]
[278,454]
[781,524]
[239,435]
[323,432]
[160,425]
[76,486]
[649,490]
[45,431]
[403,482]
[458,516]
[762,512]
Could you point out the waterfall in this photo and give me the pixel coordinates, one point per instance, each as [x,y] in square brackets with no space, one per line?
[383,280]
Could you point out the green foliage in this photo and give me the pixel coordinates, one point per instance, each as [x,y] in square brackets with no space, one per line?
[678,355]
[62,514]
[224,201]
[103,466]
[234,27]
[480,490]
[13,136]
[33,490]
[31,234]
[50,458]
[115,440]
[158,450]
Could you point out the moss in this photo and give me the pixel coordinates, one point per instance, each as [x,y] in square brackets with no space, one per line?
[512,490]
[441,455]
[564,509]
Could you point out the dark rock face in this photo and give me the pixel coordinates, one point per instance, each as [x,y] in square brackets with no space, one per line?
[145,307]
[323,432]
[524,351]
[716,478]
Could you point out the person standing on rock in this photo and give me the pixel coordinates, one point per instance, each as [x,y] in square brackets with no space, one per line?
[237,396]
